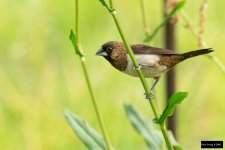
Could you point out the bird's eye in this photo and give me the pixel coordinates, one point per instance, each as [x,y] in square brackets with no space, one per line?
[109,48]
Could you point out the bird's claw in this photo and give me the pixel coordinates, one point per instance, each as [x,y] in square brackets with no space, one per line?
[137,68]
[152,96]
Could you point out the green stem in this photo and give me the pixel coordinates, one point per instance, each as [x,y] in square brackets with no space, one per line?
[102,127]
[166,137]
[142,78]
[77,20]
[213,58]
[136,65]
[145,24]
[82,59]
[218,62]
[111,4]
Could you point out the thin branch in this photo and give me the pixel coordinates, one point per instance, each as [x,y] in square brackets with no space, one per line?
[144,18]
[111,4]
[77,46]
[167,18]
[202,22]
[213,58]
[77,20]
[134,61]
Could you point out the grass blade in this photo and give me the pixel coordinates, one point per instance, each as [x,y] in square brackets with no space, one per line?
[165,20]
[85,132]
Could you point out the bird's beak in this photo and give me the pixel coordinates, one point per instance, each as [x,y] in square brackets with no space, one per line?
[101,52]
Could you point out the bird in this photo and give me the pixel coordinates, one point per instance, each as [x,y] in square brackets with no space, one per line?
[152,61]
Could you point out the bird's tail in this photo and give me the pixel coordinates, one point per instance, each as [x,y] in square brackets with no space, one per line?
[196,53]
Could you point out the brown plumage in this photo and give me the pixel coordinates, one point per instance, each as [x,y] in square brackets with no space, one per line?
[145,49]
[116,55]
[153,61]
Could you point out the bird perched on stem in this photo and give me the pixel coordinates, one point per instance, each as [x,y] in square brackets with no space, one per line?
[152,61]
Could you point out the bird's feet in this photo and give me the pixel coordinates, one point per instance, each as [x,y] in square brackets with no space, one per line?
[152,96]
[137,68]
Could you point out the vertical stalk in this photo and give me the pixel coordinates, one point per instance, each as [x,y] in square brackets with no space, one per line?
[77,20]
[136,65]
[213,58]
[170,43]
[102,127]
[144,19]
[141,76]
[166,136]
[82,59]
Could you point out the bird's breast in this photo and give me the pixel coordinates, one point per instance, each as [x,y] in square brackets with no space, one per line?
[149,66]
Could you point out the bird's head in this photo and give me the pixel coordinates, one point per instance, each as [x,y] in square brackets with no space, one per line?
[111,50]
[115,53]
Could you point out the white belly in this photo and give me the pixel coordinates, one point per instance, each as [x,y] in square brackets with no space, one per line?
[149,69]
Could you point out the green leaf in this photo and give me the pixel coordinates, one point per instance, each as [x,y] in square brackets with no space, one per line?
[105,4]
[85,132]
[176,98]
[152,136]
[73,39]
[165,20]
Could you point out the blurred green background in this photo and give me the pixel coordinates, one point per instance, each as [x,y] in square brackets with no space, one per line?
[40,74]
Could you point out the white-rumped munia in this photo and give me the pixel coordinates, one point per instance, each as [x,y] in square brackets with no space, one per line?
[152,61]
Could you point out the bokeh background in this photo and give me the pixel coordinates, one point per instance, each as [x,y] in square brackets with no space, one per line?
[40,74]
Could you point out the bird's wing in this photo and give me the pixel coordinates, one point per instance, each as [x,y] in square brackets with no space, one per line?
[145,49]
[149,60]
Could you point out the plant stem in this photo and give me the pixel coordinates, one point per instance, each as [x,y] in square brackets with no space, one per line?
[141,76]
[77,20]
[217,61]
[136,65]
[145,24]
[166,136]
[213,58]
[111,4]
[82,59]
[102,127]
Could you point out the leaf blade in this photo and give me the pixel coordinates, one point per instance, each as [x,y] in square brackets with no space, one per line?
[73,39]
[140,124]
[152,136]
[106,5]
[85,132]
[175,99]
